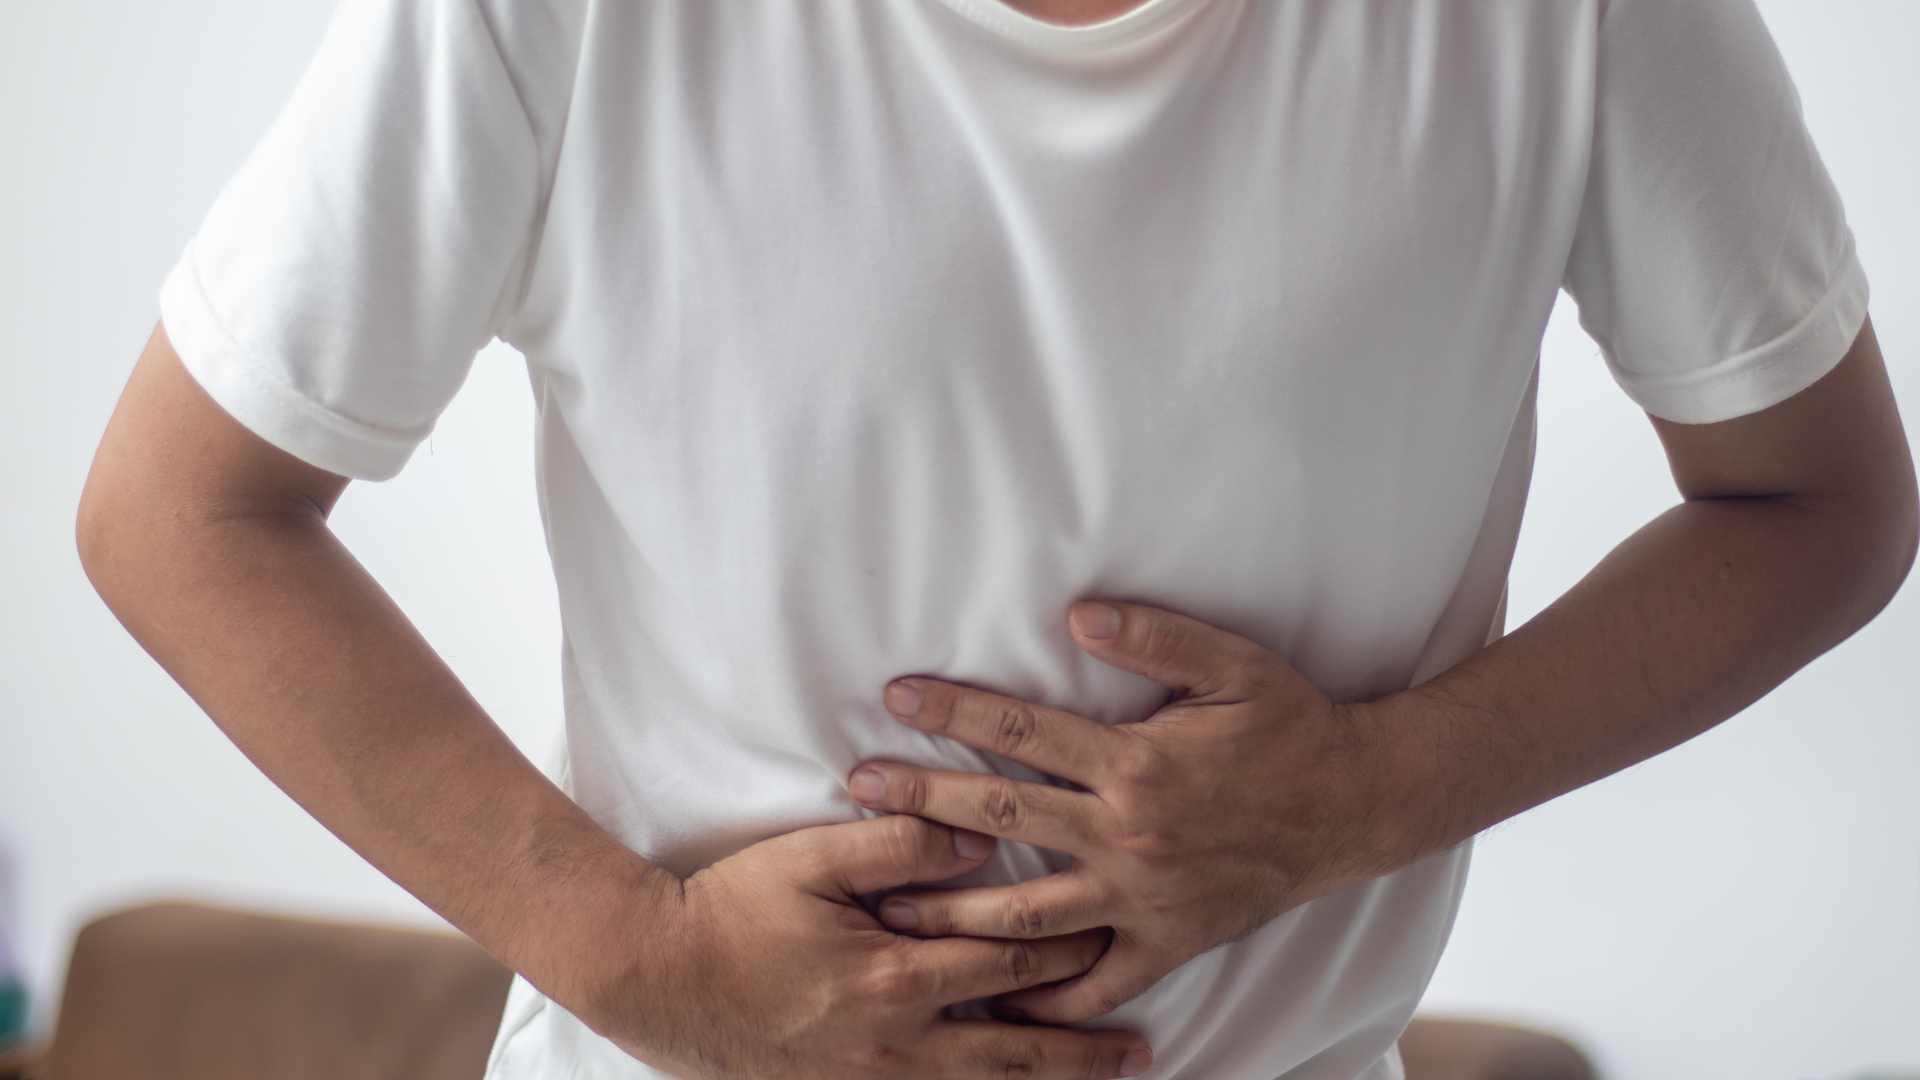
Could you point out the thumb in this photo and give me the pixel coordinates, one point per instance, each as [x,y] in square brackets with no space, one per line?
[843,860]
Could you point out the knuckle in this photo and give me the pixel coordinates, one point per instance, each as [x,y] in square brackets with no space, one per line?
[1024,917]
[1162,640]
[1094,1061]
[1015,1059]
[913,793]
[1021,962]
[1014,729]
[1139,764]
[904,839]
[1147,843]
[1107,1001]
[1000,806]
[894,978]
[936,920]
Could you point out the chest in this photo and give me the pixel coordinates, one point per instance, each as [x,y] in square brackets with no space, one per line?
[826,204]
[839,307]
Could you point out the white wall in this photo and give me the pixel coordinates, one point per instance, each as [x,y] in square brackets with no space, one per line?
[1745,905]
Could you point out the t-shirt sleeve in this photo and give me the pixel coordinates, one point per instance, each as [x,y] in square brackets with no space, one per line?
[371,242]
[1712,261]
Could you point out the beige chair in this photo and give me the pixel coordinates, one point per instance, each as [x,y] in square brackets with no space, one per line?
[192,991]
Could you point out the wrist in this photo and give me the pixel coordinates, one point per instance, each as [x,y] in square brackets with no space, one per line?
[594,919]
[1413,803]
[628,962]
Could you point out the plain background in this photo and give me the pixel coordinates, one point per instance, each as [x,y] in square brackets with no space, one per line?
[1747,904]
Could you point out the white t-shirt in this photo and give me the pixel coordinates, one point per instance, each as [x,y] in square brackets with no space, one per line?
[865,336]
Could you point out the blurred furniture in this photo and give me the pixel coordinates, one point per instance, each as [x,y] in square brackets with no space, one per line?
[172,991]
[191,991]
[1466,1048]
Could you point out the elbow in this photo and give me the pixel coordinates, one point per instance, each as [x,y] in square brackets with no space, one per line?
[104,533]
[88,527]
[92,537]
[1868,540]
[1906,513]
[1896,526]
[1909,545]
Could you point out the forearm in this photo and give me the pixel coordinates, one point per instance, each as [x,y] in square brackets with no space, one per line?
[300,657]
[1691,619]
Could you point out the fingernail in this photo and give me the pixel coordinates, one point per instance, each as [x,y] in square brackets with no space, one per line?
[1095,620]
[867,784]
[971,845]
[902,699]
[1136,1061]
[899,914]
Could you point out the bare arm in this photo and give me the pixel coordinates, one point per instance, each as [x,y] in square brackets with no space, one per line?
[212,548]
[1798,526]
[1250,791]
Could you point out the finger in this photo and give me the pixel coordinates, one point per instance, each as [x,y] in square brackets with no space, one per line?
[1041,907]
[1041,814]
[1172,649]
[845,859]
[1049,740]
[953,969]
[975,1049]
[1125,971]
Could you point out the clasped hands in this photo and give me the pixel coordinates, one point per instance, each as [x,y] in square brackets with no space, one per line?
[1249,792]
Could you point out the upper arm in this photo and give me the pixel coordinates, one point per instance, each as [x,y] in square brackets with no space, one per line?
[170,451]
[1838,444]
[334,295]
[1713,263]
[1712,260]
[1840,435]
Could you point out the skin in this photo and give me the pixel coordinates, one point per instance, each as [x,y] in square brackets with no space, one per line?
[211,546]
[1250,792]
[1073,12]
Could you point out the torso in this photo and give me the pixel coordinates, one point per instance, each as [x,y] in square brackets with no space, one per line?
[868,336]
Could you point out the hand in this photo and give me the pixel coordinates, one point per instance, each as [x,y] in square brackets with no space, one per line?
[1248,793]
[766,964]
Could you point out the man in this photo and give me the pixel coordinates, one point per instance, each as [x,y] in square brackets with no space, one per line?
[1150,381]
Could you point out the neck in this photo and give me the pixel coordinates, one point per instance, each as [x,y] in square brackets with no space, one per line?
[1073,12]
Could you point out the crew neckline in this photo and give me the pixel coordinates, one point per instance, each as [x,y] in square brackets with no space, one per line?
[1136,22]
